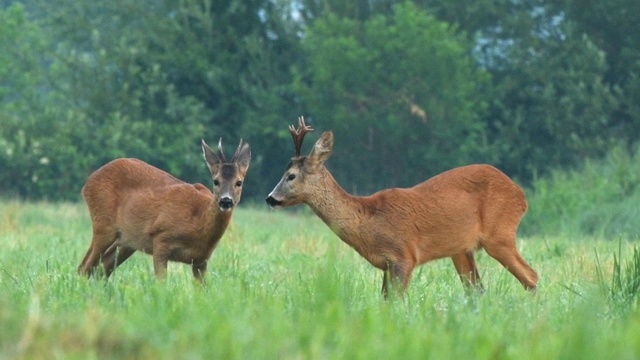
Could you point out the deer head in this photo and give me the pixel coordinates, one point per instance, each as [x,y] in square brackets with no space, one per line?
[303,176]
[228,177]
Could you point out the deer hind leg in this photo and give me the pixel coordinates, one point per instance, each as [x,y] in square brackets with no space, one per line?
[465,265]
[85,260]
[503,248]
[100,244]
[114,256]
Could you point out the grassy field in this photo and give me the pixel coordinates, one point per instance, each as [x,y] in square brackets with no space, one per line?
[282,286]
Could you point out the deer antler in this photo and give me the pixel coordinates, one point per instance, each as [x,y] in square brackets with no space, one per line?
[221,152]
[299,133]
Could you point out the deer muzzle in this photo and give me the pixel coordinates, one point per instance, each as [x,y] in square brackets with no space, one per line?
[225,203]
[271,201]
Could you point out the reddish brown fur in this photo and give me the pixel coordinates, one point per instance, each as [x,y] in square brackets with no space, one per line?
[135,206]
[450,215]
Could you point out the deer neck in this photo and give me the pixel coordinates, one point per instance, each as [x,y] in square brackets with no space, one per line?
[218,222]
[341,211]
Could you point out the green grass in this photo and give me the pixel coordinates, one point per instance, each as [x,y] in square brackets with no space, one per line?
[282,286]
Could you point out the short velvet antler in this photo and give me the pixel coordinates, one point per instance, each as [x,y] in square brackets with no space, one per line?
[299,133]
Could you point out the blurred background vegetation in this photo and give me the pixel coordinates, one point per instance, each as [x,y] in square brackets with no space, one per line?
[547,91]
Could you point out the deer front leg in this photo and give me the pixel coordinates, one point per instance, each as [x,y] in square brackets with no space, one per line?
[465,265]
[160,260]
[396,278]
[385,283]
[199,269]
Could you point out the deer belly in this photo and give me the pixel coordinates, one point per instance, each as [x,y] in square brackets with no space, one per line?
[431,248]
[132,242]
[135,239]
[444,241]
[189,256]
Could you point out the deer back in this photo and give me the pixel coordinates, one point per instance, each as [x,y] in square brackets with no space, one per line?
[449,213]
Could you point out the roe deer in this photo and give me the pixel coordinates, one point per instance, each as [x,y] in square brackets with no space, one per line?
[135,206]
[450,215]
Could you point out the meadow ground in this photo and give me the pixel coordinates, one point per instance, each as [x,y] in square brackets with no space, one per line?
[282,286]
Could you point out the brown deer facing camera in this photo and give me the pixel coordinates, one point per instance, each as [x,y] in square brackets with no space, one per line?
[135,206]
[450,215]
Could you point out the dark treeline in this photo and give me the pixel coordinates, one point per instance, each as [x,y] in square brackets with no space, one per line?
[409,88]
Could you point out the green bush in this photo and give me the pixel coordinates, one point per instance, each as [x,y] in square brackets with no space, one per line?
[598,199]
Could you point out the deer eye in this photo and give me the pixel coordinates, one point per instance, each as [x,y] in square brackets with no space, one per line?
[291,177]
[238,183]
[216,182]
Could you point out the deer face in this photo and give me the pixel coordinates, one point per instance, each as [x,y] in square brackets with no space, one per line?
[291,188]
[304,176]
[228,177]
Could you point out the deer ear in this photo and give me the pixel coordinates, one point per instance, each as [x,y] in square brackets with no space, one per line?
[242,157]
[323,148]
[212,159]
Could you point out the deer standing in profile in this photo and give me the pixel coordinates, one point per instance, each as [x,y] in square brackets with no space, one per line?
[450,215]
[136,206]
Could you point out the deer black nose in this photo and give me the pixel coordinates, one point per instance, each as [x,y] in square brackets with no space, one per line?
[225,203]
[272,202]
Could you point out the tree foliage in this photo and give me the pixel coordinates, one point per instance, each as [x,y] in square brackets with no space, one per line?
[22,102]
[549,105]
[149,80]
[410,88]
[613,27]
[401,92]
[550,102]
